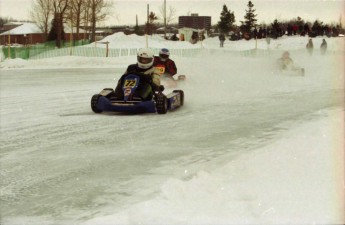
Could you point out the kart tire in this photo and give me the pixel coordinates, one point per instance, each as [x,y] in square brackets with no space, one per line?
[94,101]
[181,96]
[161,104]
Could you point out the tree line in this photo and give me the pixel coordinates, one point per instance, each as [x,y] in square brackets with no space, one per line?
[50,15]
[250,29]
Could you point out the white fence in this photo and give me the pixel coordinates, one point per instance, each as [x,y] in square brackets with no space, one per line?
[120,52]
[111,52]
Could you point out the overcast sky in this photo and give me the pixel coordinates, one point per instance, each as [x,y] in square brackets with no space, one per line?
[124,12]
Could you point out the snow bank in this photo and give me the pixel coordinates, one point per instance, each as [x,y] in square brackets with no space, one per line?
[282,43]
[286,182]
[120,40]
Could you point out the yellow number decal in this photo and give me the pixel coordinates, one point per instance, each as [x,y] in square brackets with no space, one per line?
[160,70]
[130,83]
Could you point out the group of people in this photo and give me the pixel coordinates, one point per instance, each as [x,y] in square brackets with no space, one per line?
[310,46]
[152,68]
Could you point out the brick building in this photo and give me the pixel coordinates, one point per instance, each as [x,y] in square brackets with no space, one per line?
[195,21]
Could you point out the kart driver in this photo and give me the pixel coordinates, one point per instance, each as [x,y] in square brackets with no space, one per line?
[144,66]
[164,64]
[287,64]
[286,61]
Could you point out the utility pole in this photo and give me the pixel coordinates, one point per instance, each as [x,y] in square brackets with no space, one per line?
[148,17]
[147,25]
[165,19]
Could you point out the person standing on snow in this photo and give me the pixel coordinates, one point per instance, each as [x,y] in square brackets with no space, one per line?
[149,75]
[310,46]
[323,46]
[164,64]
[221,39]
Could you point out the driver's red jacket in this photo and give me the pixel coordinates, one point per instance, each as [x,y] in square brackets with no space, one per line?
[165,67]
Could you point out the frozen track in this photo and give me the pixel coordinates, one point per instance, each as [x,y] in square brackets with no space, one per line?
[60,161]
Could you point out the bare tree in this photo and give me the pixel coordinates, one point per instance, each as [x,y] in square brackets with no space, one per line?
[42,14]
[100,9]
[60,8]
[75,11]
[86,12]
[170,14]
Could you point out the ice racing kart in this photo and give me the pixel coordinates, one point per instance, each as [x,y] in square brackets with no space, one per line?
[132,102]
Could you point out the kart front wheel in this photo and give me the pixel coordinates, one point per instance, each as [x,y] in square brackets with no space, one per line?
[94,101]
[181,96]
[161,104]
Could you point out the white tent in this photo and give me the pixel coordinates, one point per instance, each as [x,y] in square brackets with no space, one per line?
[186,33]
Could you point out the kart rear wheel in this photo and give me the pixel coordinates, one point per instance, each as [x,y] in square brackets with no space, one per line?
[161,104]
[94,101]
[181,96]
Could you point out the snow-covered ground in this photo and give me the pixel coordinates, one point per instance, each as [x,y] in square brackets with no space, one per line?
[251,145]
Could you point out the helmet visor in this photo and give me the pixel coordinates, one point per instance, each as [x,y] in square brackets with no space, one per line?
[164,56]
[144,60]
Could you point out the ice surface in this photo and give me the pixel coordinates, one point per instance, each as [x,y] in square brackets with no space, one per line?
[250,146]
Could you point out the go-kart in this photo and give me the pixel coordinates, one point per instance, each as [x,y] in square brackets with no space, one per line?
[290,69]
[132,102]
[293,71]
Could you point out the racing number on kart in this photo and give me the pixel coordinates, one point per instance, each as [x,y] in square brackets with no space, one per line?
[130,83]
[160,69]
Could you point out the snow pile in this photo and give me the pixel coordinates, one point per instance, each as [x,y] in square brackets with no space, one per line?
[276,184]
[25,28]
[120,40]
[282,43]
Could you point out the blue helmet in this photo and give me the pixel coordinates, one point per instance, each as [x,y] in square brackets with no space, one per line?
[164,54]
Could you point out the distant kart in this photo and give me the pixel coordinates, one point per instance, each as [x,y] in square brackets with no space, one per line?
[132,102]
[293,71]
[290,69]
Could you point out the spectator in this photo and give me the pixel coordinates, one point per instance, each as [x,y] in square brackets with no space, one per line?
[310,46]
[221,39]
[323,46]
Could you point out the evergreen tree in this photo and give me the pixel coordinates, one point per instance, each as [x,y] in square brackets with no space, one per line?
[276,29]
[227,19]
[317,28]
[249,19]
[150,25]
[56,32]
